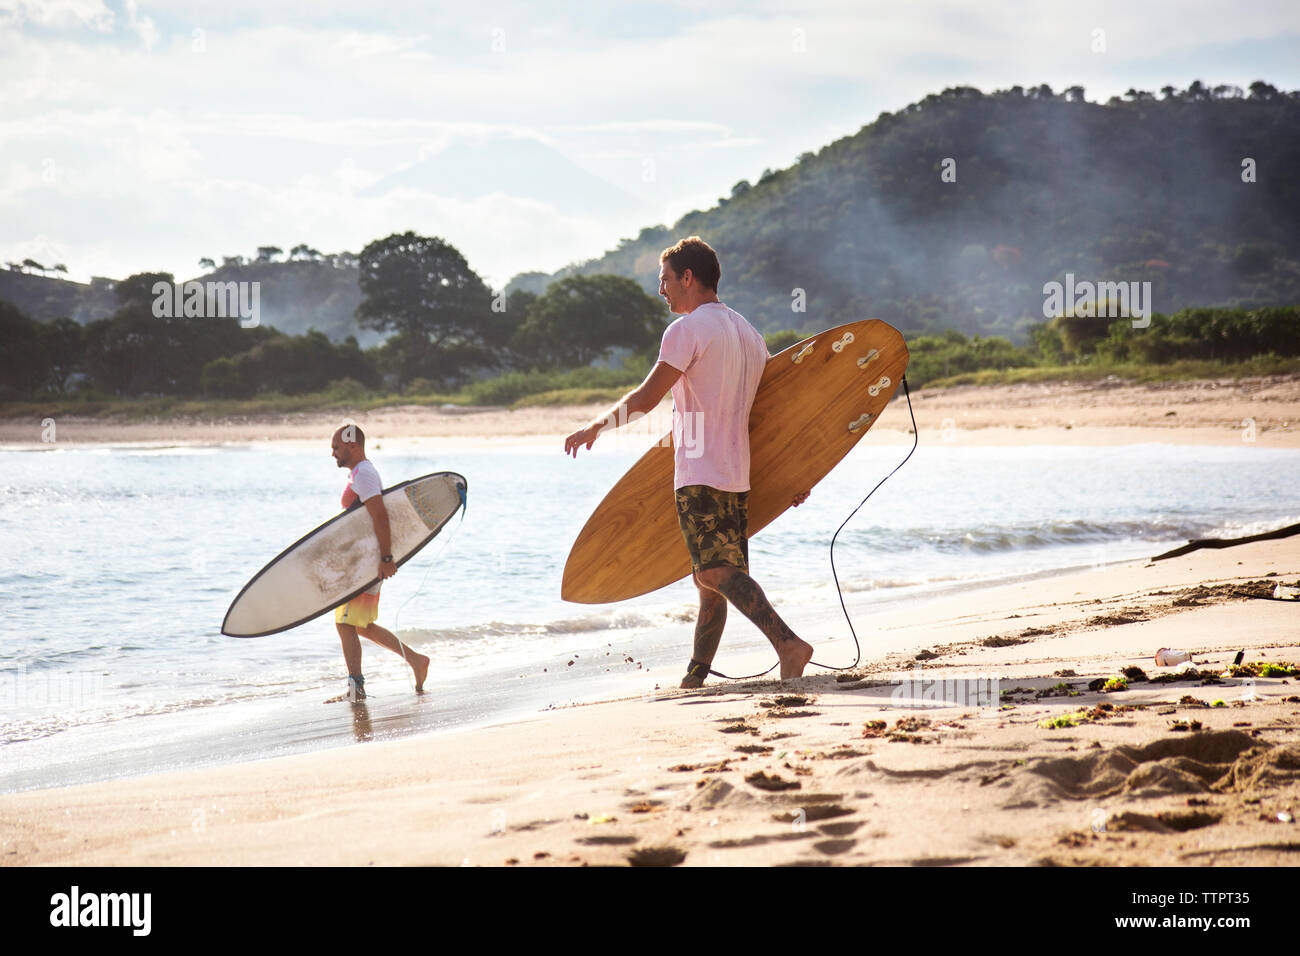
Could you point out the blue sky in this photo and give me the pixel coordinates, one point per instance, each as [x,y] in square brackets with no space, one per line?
[141,136]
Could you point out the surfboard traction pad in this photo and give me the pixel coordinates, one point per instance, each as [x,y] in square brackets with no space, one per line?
[426,498]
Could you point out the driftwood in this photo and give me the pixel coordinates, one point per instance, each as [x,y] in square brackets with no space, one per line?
[1228,542]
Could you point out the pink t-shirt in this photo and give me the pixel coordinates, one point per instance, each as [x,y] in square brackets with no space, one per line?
[721,357]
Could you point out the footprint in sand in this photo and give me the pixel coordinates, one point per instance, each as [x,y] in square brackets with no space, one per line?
[1167,822]
[834,847]
[789,700]
[657,856]
[847,828]
[760,840]
[815,812]
[772,782]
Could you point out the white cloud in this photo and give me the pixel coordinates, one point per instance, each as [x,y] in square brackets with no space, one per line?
[57,14]
[354,45]
[143,27]
[268,134]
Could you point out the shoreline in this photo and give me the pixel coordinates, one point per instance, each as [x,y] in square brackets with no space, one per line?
[700,775]
[1261,414]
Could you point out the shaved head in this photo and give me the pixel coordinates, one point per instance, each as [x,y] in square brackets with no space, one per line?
[350,434]
[348,445]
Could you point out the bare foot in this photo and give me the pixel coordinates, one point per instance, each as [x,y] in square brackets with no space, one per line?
[794,656]
[421,667]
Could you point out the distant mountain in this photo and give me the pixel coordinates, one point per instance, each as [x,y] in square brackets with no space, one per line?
[301,295]
[1043,184]
[45,298]
[519,167]
[294,296]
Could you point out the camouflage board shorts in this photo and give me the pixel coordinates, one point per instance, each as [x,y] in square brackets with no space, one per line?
[714,523]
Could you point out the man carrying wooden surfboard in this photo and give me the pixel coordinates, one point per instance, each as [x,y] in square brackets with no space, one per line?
[348,446]
[712,359]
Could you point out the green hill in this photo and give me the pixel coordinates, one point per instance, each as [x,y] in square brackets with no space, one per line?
[44,297]
[1138,189]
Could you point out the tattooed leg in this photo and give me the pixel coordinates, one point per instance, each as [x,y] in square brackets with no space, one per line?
[743,591]
[708,632]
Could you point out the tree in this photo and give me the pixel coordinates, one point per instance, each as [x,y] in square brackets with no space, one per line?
[582,318]
[206,263]
[221,378]
[136,291]
[135,352]
[268,253]
[422,288]
[23,362]
[65,350]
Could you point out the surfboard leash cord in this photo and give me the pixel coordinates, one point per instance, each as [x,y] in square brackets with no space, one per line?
[916,436]
[464,506]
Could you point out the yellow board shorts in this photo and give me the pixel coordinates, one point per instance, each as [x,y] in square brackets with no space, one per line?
[361,610]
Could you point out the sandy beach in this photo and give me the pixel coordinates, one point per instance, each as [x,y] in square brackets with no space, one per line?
[864,767]
[1263,412]
[1017,757]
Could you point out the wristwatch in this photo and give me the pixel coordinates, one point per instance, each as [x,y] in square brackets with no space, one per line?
[385,558]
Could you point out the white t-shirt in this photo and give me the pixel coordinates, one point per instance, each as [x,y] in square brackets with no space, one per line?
[363,481]
[721,357]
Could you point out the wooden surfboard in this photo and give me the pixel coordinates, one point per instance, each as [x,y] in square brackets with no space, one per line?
[815,400]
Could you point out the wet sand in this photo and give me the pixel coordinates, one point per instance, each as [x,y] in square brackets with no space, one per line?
[875,766]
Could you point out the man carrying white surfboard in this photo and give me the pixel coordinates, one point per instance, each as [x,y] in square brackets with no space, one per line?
[712,360]
[358,616]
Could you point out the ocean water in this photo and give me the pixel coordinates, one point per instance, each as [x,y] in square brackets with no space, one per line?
[118,564]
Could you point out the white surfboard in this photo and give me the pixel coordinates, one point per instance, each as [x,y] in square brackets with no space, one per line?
[339,560]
